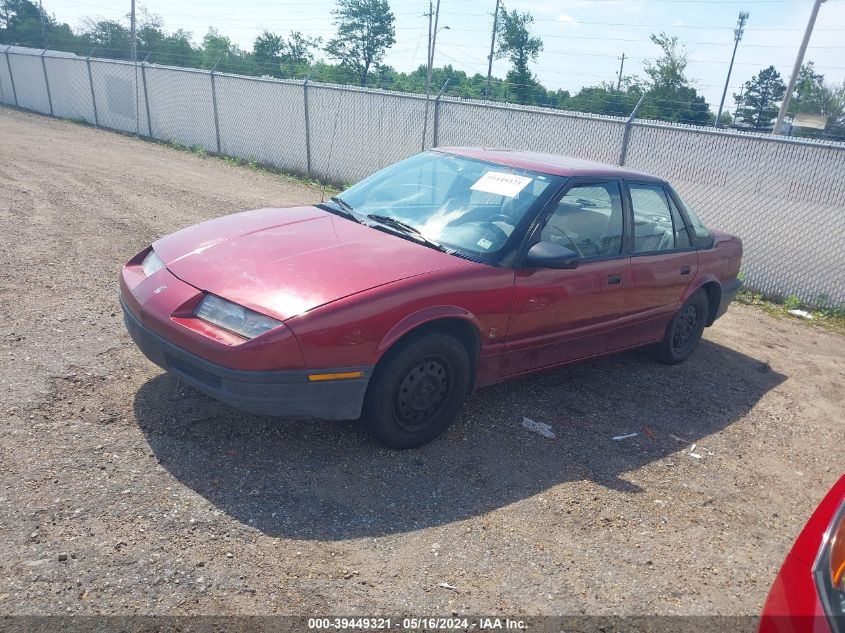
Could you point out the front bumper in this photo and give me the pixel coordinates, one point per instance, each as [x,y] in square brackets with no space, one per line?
[289,394]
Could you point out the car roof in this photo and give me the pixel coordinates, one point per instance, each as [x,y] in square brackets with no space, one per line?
[547,163]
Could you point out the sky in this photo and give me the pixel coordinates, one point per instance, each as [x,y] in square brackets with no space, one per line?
[583,39]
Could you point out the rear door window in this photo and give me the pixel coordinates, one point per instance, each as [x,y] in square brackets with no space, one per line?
[658,225]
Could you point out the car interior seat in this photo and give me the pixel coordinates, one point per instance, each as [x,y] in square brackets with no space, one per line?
[586,228]
[651,236]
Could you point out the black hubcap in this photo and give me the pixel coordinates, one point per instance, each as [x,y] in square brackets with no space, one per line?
[422,393]
[685,328]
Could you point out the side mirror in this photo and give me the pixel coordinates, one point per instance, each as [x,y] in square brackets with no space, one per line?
[551,255]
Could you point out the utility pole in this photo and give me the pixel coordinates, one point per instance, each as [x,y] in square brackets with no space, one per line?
[43,24]
[492,47]
[432,44]
[784,106]
[621,66]
[133,54]
[431,48]
[738,31]
[430,15]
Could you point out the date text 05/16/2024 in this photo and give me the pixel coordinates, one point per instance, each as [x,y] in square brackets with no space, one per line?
[416,623]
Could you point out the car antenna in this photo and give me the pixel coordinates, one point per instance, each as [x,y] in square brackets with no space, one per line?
[331,155]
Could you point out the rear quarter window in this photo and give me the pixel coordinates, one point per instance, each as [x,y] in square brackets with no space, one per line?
[702,236]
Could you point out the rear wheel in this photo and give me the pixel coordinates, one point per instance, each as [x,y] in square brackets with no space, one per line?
[417,391]
[684,331]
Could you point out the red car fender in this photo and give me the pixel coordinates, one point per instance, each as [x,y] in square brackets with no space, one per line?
[426,315]
[699,283]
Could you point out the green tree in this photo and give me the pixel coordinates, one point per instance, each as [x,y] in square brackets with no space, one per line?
[109,36]
[606,99]
[218,49]
[26,24]
[298,54]
[757,106]
[20,23]
[670,96]
[815,96]
[149,31]
[157,46]
[284,58]
[364,33]
[667,71]
[176,49]
[267,49]
[833,104]
[683,105]
[808,87]
[521,48]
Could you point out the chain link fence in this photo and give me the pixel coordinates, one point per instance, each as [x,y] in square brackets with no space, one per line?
[784,197]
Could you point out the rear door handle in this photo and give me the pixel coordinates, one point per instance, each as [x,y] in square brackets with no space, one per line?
[614,279]
[685,270]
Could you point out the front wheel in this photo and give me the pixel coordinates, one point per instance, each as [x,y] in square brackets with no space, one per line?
[684,330]
[417,391]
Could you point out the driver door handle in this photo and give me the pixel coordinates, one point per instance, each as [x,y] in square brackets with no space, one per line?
[614,279]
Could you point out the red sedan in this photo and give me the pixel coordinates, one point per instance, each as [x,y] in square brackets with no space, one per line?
[808,595]
[454,269]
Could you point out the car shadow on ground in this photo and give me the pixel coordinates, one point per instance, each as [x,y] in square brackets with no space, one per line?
[329,481]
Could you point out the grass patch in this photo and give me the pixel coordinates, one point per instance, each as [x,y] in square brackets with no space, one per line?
[253,164]
[823,311]
[77,120]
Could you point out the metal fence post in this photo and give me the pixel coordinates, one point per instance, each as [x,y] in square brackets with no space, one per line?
[146,95]
[626,135]
[435,124]
[307,125]
[11,76]
[91,85]
[46,81]
[214,104]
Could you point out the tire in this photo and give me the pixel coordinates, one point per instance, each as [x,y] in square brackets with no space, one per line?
[684,330]
[417,391]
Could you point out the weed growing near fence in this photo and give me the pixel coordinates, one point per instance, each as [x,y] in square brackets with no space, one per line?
[252,164]
[823,312]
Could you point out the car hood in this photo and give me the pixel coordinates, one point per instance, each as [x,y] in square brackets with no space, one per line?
[283,262]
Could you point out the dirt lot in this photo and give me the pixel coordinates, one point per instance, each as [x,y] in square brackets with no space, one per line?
[164,501]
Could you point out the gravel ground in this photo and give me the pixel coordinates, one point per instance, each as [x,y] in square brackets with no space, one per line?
[124,492]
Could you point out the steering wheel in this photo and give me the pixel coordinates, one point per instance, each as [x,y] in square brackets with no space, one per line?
[555,229]
[489,227]
[502,217]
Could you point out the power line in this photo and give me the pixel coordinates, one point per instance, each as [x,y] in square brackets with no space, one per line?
[628,39]
[637,25]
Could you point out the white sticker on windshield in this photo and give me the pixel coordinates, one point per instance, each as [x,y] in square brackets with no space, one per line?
[484,243]
[501,183]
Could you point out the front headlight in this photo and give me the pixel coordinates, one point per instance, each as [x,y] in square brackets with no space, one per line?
[152,263]
[829,571]
[233,317]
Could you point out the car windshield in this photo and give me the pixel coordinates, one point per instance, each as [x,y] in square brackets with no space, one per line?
[468,206]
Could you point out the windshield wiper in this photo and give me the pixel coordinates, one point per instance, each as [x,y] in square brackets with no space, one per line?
[343,209]
[341,202]
[386,219]
[407,229]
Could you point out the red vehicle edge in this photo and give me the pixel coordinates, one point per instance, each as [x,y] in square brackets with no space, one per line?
[808,594]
